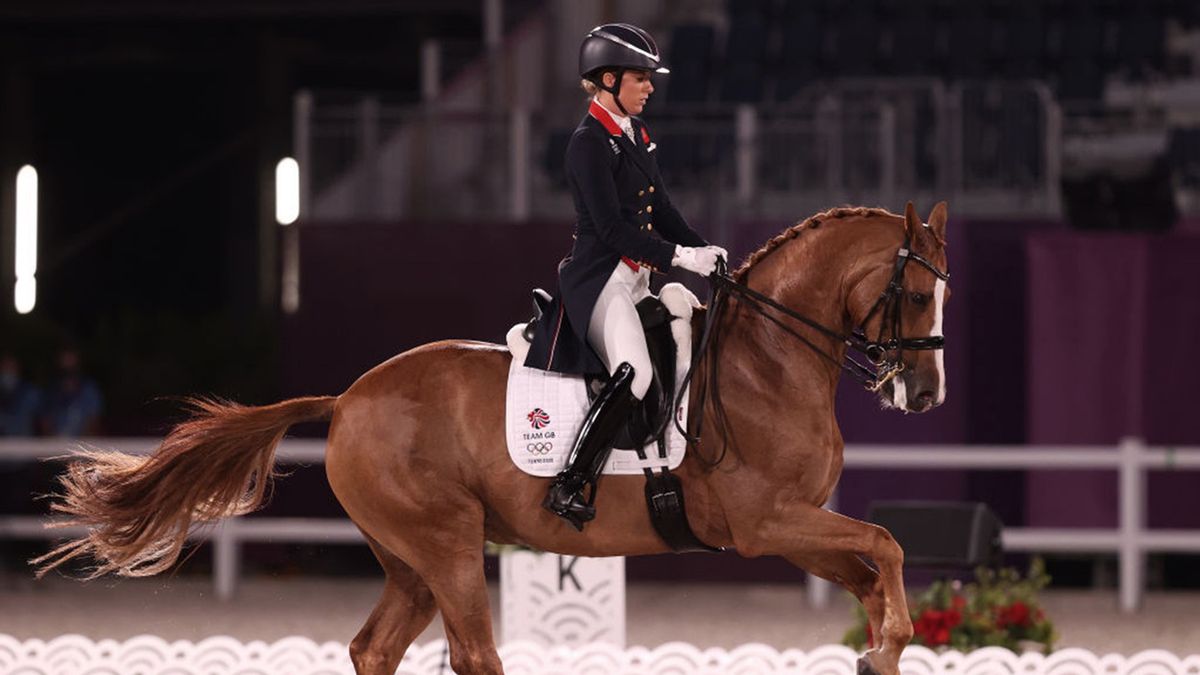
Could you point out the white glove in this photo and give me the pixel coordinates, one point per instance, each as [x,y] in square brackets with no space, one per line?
[721,253]
[702,261]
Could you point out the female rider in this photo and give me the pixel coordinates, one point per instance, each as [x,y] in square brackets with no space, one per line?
[625,228]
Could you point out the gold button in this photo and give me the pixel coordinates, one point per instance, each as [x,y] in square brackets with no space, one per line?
[641,192]
[649,209]
[651,188]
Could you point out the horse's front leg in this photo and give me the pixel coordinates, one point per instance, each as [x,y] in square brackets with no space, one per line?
[853,574]
[798,531]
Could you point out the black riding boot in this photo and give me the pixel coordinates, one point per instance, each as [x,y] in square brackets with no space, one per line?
[609,411]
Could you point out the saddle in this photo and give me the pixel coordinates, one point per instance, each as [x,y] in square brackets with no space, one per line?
[648,422]
[650,419]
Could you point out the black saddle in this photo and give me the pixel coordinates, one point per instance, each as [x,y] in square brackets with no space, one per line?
[649,420]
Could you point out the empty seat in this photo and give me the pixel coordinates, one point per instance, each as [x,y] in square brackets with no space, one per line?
[744,74]
[1080,80]
[798,62]
[691,61]
[969,43]
[1021,48]
[856,42]
[1140,42]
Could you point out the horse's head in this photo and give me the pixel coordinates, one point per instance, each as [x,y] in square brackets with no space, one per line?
[897,303]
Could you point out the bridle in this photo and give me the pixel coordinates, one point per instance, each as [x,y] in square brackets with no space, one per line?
[884,353]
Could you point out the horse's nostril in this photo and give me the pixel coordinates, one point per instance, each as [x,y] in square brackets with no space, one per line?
[924,399]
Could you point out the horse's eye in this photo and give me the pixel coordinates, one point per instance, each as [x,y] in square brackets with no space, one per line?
[918,298]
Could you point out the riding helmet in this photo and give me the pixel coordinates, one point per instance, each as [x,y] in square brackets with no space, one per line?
[620,46]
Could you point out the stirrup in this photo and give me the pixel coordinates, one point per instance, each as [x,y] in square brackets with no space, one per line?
[569,504]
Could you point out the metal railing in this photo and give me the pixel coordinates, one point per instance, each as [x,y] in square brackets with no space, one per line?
[989,147]
[1131,540]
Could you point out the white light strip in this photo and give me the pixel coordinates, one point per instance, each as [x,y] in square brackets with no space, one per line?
[613,38]
[25,291]
[287,191]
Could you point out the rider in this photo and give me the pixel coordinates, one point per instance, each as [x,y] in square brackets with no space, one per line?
[626,227]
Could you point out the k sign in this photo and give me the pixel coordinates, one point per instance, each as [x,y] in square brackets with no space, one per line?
[562,600]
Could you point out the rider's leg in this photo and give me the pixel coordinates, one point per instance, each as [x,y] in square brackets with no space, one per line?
[615,331]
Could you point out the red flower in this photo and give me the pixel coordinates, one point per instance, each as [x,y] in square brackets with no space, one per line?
[1016,614]
[934,626]
[958,602]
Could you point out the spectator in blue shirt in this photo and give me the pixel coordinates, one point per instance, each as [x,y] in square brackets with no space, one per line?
[73,401]
[19,400]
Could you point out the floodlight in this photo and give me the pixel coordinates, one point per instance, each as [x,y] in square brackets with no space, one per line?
[25,292]
[287,191]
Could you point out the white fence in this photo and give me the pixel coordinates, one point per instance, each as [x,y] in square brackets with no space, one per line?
[77,655]
[1130,540]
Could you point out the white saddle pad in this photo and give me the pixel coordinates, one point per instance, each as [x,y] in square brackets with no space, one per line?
[544,410]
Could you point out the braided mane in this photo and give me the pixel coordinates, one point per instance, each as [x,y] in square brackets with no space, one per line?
[811,222]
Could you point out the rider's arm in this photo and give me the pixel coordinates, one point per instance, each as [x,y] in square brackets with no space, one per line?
[590,173]
[671,223]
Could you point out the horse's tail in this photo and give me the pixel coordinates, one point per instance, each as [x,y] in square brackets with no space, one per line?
[139,509]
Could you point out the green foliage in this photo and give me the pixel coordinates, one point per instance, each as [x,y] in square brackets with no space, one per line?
[999,609]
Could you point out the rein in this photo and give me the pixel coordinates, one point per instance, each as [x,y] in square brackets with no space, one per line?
[878,351]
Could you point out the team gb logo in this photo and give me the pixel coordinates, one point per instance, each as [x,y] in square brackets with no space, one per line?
[538,418]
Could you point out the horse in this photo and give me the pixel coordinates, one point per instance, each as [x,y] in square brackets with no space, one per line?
[416,451]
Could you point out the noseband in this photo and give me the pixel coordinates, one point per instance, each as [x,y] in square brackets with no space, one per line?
[884,353]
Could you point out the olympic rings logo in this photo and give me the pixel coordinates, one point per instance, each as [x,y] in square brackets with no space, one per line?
[540,448]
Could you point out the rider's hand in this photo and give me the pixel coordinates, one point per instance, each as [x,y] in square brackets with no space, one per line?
[721,253]
[702,261]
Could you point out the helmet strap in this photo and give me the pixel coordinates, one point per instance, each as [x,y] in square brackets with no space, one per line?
[615,90]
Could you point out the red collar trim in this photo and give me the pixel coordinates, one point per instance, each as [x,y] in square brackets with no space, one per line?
[605,118]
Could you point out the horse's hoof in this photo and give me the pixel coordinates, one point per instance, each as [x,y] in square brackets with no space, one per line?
[865,668]
[870,664]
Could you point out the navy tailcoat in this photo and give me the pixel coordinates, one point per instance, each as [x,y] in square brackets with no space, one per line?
[623,217]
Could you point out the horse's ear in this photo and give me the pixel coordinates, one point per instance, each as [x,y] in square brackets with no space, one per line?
[937,222]
[912,224]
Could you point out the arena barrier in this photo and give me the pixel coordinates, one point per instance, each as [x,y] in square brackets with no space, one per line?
[150,655]
[1131,540]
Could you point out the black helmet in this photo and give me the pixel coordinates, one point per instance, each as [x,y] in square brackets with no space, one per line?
[621,46]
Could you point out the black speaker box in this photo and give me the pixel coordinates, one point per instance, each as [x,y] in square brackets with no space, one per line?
[941,535]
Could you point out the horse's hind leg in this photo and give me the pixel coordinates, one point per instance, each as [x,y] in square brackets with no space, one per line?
[406,608]
[446,549]
[461,592]
[852,573]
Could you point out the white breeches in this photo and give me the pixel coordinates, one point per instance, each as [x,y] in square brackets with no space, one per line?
[615,331]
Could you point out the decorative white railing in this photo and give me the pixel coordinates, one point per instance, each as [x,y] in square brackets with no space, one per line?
[150,655]
[1131,540]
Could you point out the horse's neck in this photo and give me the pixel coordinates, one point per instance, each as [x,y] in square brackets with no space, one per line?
[801,276]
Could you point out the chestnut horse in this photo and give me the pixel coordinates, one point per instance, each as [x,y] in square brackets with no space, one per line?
[416,453]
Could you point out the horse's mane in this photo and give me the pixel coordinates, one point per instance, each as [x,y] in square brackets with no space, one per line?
[811,222]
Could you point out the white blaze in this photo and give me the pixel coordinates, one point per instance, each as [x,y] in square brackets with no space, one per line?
[939,301]
[899,393]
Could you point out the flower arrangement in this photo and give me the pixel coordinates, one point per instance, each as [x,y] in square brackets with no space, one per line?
[998,609]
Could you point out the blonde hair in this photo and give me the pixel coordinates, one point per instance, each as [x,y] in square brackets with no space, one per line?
[589,87]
